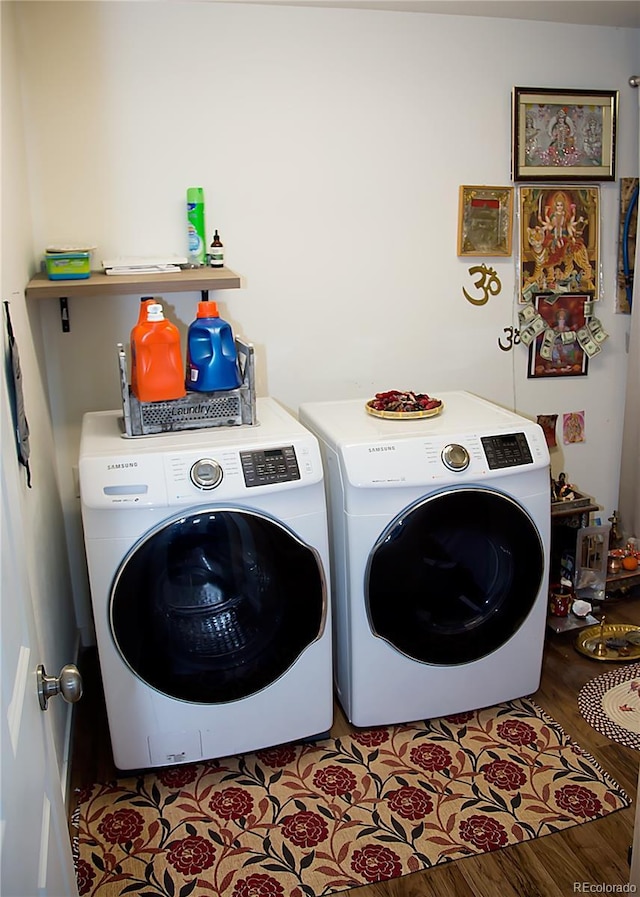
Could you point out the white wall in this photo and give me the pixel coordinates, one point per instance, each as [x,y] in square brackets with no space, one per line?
[331,145]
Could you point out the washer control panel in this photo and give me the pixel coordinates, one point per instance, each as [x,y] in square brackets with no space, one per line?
[223,464]
[273,465]
[506,450]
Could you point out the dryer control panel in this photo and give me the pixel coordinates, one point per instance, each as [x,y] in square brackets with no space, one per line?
[506,450]
[439,458]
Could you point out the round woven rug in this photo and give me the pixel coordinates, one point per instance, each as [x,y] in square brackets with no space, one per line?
[611,704]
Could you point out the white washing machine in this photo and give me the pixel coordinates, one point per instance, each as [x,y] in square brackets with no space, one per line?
[207,554]
[439,533]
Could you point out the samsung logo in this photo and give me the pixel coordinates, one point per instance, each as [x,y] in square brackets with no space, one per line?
[382,448]
[122,464]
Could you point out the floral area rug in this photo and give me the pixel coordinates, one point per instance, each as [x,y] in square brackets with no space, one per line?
[304,820]
[611,704]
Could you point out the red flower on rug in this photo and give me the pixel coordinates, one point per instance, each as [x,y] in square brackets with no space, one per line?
[278,756]
[84,876]
[516,732]
[504,774]
[191,855]
[484,832]
[258,886]
[578,800]
[460,718]
[305,829]
[232,803]
[177,776]
[335,780]
[121,826]
[432,757]
[371,737]
[410,803]
[376,863]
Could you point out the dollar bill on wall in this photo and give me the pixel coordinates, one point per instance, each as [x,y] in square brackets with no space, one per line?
[587,342]
[531,330]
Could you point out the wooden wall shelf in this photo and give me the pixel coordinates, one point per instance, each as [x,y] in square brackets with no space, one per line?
[100,284]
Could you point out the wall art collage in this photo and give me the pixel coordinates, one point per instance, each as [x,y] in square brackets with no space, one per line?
[563,146]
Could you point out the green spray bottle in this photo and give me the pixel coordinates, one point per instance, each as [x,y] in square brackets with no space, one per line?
[195,224]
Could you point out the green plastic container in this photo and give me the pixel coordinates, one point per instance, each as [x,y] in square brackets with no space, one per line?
[68,265]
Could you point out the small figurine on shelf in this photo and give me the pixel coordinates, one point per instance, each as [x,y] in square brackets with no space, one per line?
[614,533]
[561,490]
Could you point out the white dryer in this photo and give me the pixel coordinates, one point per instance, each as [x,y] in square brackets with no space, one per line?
[208,564]
[439,533]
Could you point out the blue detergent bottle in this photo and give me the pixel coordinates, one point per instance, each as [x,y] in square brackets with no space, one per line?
[212,359]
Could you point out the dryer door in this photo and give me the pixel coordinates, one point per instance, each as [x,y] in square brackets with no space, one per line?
[454,576]
[214,606]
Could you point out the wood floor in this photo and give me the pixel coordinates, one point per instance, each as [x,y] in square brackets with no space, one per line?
[596,853]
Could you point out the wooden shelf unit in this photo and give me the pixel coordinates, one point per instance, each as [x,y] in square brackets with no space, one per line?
[566,520]
[560,511]
[101,284]
[623,582]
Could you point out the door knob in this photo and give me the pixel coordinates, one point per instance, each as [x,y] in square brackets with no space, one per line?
[68,684]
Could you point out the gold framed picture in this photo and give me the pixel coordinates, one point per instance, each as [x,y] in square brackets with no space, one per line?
[485,220]
[560,240]
[563,135]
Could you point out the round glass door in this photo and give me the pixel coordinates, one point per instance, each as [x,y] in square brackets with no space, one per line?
[215,606]
[454,576]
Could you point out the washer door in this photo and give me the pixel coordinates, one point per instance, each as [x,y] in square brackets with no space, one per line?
[215,606]
[454,576]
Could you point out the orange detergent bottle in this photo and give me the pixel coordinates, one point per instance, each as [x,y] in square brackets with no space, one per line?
[145,302]
[157,372]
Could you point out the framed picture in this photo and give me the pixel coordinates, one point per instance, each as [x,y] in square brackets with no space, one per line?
[559,240]
[592,555]
[566,135]
[556,352]
[485,220]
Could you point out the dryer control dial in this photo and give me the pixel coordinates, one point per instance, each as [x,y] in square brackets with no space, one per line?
[455,456]
[206,474]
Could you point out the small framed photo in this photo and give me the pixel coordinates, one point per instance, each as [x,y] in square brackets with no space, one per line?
[556,351]
[592,554]
[566,135]
[485,220]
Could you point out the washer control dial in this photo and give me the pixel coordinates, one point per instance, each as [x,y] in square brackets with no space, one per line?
[455,456]
[206,474]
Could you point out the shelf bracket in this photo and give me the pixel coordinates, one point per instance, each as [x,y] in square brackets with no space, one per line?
[64,314]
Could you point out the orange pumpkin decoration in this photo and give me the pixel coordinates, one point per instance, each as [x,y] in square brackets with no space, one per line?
[630,562]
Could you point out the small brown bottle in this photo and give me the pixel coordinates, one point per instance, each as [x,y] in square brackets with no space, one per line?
[216,252]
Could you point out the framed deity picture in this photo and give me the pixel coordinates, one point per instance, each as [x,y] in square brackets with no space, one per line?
[563,135]
[559,240]
[485,220]
[556,351]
